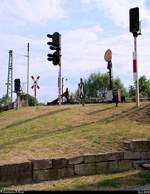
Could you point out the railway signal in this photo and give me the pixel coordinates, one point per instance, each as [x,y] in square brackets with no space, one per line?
[55,57]
[135,29]
[55,45]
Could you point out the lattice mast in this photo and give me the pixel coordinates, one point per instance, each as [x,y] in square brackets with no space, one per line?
[10,78]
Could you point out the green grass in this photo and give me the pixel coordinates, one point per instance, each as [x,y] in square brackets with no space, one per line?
[42,132]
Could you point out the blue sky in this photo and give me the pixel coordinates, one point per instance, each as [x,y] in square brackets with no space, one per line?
[88,29]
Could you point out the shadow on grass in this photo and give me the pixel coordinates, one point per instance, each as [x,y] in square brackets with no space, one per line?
[101,110]
[124,182]
[127,113]
[118,116]
[34,118]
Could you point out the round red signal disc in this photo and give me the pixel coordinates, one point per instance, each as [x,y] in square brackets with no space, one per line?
[108,55]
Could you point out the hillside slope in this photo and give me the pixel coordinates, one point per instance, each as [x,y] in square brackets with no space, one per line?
[45,132]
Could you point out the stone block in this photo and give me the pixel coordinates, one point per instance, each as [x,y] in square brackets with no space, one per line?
[110,156]
[138,163]
[15,173]
[90,158]
[145,166]
[107,167]
[65,172]
[76,160]
[42,164]
[42,175]
[128,155]
[124,165]
[126,145]
[140,145]
[85,169]
[59,163]
[145,155]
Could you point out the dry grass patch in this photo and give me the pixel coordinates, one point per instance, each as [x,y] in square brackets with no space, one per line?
[69,130]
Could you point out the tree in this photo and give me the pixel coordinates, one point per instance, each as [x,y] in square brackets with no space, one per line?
[4,100]
[95,82]
[32,101]
[131,91]
[144,88]
[100,82]
[117,84]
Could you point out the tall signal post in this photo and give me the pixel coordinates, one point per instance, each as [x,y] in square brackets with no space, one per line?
[28,49]
[10,78]
[135,30]
[55,45]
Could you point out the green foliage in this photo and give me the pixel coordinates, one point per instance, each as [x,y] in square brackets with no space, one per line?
[100,82]
[117,84]
[95,82]
[131,91]
[32,101]
[4,100]
[144,88]
[73,97]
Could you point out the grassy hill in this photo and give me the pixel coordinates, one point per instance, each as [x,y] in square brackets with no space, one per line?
[68,130]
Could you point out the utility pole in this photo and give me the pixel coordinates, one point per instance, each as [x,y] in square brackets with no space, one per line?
[10,78]
[28,49]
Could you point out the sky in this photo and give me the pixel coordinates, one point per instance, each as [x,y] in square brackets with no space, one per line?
[87,27]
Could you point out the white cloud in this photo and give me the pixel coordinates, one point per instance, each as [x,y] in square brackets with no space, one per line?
[37,11]
[82,48]
[118,11]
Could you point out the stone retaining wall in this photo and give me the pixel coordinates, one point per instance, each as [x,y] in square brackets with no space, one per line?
[135,152]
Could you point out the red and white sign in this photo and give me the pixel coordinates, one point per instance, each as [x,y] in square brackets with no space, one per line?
[35,85]
[134,66]
[108,55]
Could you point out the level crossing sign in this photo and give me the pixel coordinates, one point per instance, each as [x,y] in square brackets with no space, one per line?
[35,84]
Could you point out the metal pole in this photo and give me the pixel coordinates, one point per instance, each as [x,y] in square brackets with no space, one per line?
[35,94]
[11,76]
[110,75]
[59,85]
[28,73]
[18,101]
[110,79]
[59,78]
[62,88]
[137,79]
